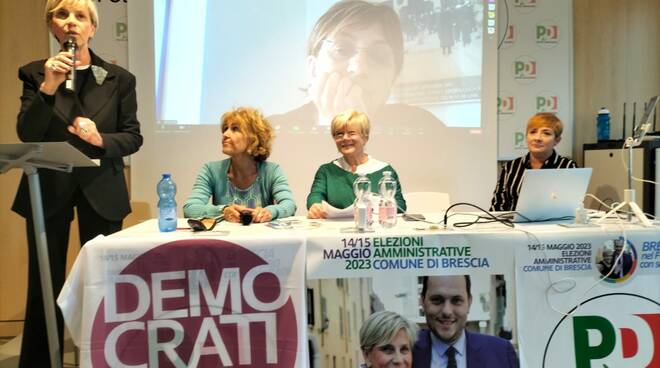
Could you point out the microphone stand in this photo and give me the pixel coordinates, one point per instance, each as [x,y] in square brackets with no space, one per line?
[629,194]
[633,141]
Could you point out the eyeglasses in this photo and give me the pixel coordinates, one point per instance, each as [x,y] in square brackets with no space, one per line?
[204,223]
[379,54]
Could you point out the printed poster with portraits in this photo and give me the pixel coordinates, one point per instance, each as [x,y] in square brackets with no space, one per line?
[350,277]
[188,302]
[589,300]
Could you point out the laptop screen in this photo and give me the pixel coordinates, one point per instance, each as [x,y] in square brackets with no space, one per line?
[551,194]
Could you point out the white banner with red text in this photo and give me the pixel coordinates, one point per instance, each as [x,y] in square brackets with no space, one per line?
[191,302]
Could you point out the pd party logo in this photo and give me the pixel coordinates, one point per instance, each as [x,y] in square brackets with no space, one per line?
[510,34]
[616,263]
[547,34]
[519,141]
[525,6]
[524,69]
[121,29]
[611,330]
[506,104]
[193,303]
[547,101]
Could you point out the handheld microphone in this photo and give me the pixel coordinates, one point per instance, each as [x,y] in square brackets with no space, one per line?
[70,46]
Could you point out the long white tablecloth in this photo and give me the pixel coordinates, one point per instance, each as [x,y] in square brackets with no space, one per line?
[236,295]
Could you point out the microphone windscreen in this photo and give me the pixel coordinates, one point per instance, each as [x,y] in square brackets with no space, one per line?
[70,43]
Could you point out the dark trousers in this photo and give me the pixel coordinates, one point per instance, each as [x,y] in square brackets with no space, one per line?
[34,349]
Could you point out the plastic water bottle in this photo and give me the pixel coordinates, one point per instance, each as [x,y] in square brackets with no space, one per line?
[603,124]
[581,214]
[363,207]
[166,203]
[387,205]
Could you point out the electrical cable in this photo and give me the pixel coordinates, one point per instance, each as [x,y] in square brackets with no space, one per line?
[625,165]
[506,27]
[566,284]
[596,283]
[490,216]
[614,204]
[561,286]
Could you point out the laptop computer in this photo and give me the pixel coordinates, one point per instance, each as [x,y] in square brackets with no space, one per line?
[551,194]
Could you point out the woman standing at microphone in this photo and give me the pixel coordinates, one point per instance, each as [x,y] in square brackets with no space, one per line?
[97,115]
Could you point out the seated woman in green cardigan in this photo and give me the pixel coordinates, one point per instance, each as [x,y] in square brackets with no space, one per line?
[333,181]
[244,181]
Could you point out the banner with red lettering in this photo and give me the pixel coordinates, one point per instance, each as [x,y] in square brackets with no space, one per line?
[191,302]
[589,300]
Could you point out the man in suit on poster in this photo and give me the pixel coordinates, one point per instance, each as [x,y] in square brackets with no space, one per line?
[623,262]
[446,301]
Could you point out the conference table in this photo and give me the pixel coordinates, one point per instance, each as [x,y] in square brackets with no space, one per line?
[295,292]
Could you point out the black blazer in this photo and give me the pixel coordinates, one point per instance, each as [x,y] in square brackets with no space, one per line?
[109,101]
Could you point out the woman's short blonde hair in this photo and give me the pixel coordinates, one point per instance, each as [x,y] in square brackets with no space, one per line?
[546,120]
[381,327]
[353,118]
[54,5]
[255,126]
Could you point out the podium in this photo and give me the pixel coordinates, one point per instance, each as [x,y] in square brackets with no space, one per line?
[30,157]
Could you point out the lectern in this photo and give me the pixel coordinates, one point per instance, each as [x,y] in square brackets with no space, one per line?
[31,157]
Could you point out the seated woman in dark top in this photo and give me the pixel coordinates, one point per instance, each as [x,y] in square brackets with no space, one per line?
[543,134]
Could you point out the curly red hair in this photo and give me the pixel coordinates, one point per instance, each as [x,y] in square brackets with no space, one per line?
[255,126]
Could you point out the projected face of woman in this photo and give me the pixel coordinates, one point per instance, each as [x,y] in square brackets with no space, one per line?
[355,69]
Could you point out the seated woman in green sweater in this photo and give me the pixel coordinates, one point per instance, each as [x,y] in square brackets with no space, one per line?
[333,181]
[244,181]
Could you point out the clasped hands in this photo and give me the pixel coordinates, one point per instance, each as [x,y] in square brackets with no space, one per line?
[232,213]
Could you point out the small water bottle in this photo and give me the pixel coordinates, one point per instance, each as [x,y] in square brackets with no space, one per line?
[581,214]
[166,203]
[363,207]
[603,124]
[387,205]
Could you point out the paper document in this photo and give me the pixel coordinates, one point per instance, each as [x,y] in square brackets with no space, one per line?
[334,212]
